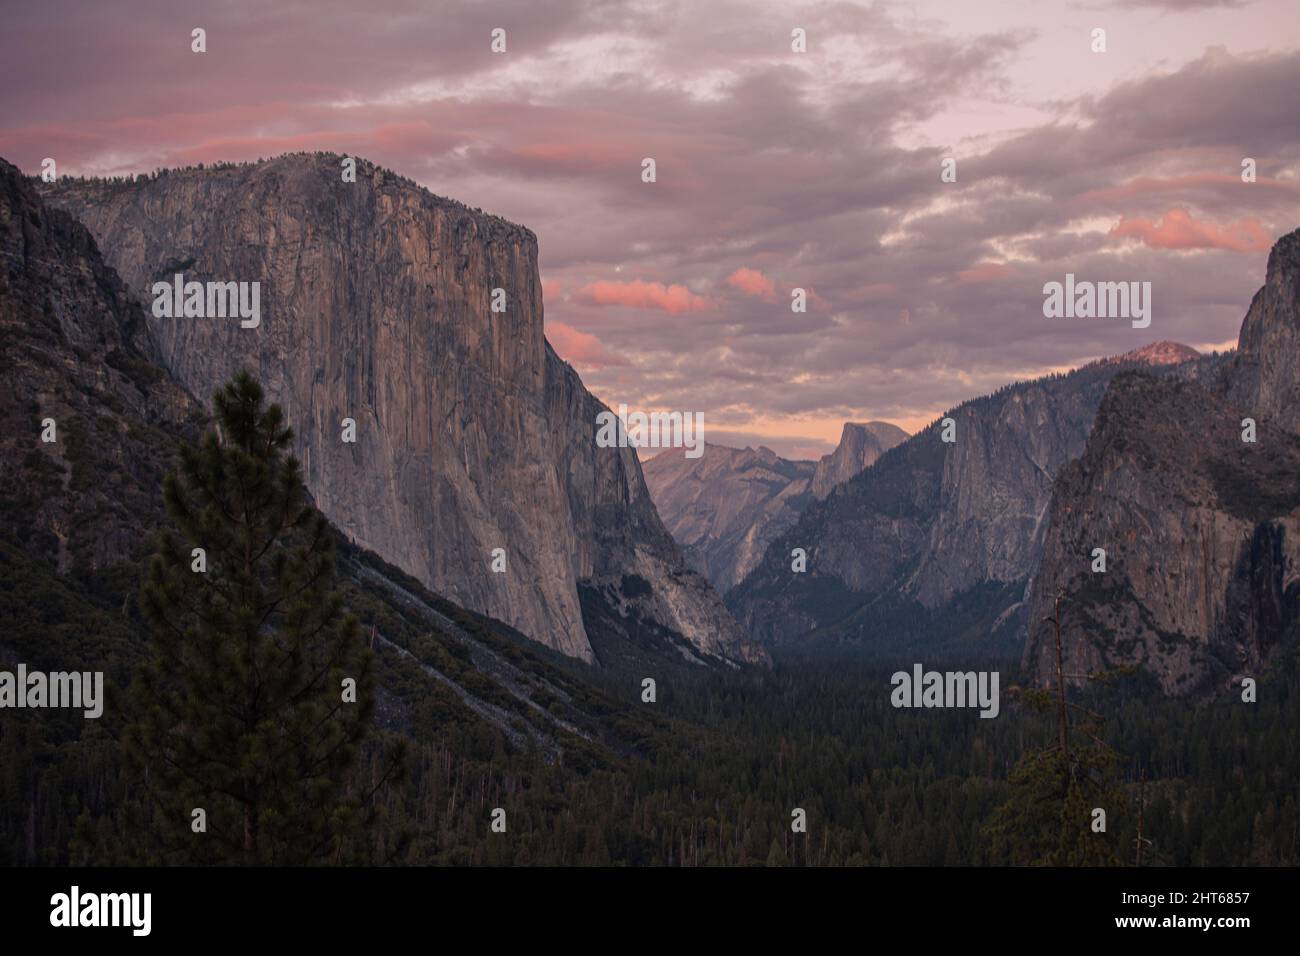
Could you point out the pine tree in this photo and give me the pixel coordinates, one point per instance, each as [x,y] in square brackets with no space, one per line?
[1046,820]
[243,710]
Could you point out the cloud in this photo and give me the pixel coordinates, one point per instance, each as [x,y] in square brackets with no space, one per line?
[985,272]
[1178,230]
[581,349]
[1171,6]
[637,294]
[819,169]
[752,282]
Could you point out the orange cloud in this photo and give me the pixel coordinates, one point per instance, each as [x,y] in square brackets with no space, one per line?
[752,282]
[581,348]
[1178,230]
[638,294]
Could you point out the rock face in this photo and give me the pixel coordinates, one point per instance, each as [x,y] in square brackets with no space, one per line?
[1201,529]
[727,505]
[1201,541]
[1265,377]
[860,446]
[471,435]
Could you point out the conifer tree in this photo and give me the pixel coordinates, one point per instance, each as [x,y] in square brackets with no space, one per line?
[1047,818]
[243,710]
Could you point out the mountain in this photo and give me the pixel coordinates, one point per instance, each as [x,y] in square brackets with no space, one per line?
[1265,375]
[935,543]
[860,446]
[1201,529]
[1159,353]
[79,516]
[470,433]
[725,506]
[587,776]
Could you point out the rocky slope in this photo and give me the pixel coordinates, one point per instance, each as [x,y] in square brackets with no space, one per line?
[1201,529]
[934,535]
[471,435]
[860,445]
[726,506]
[78,360]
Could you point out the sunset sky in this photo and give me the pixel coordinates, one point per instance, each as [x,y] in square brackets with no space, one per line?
[775,169]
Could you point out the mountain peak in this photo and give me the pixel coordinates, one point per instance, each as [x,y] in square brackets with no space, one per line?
[1163,352]
[861,443]
[884,432]
[1284,259]
[1268,381]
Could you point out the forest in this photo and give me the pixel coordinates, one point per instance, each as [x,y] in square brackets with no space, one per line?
[462,721]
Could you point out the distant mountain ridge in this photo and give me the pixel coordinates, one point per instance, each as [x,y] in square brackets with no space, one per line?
[725,507]
[930,523]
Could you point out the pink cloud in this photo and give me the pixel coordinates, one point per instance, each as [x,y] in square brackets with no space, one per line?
[638,294]
[752,282]
[817,302]
[551,290]
[1178,230]
[1145,186]
[581,348]
[985,272]
[576,157]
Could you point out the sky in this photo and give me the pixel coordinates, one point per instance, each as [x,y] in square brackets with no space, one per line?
[775,169]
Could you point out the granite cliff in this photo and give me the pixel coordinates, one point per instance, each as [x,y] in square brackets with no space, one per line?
[1265,374]
[470,433]
[860,445]
[1201,528]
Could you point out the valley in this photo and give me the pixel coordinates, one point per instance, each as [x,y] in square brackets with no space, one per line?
[524,694]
